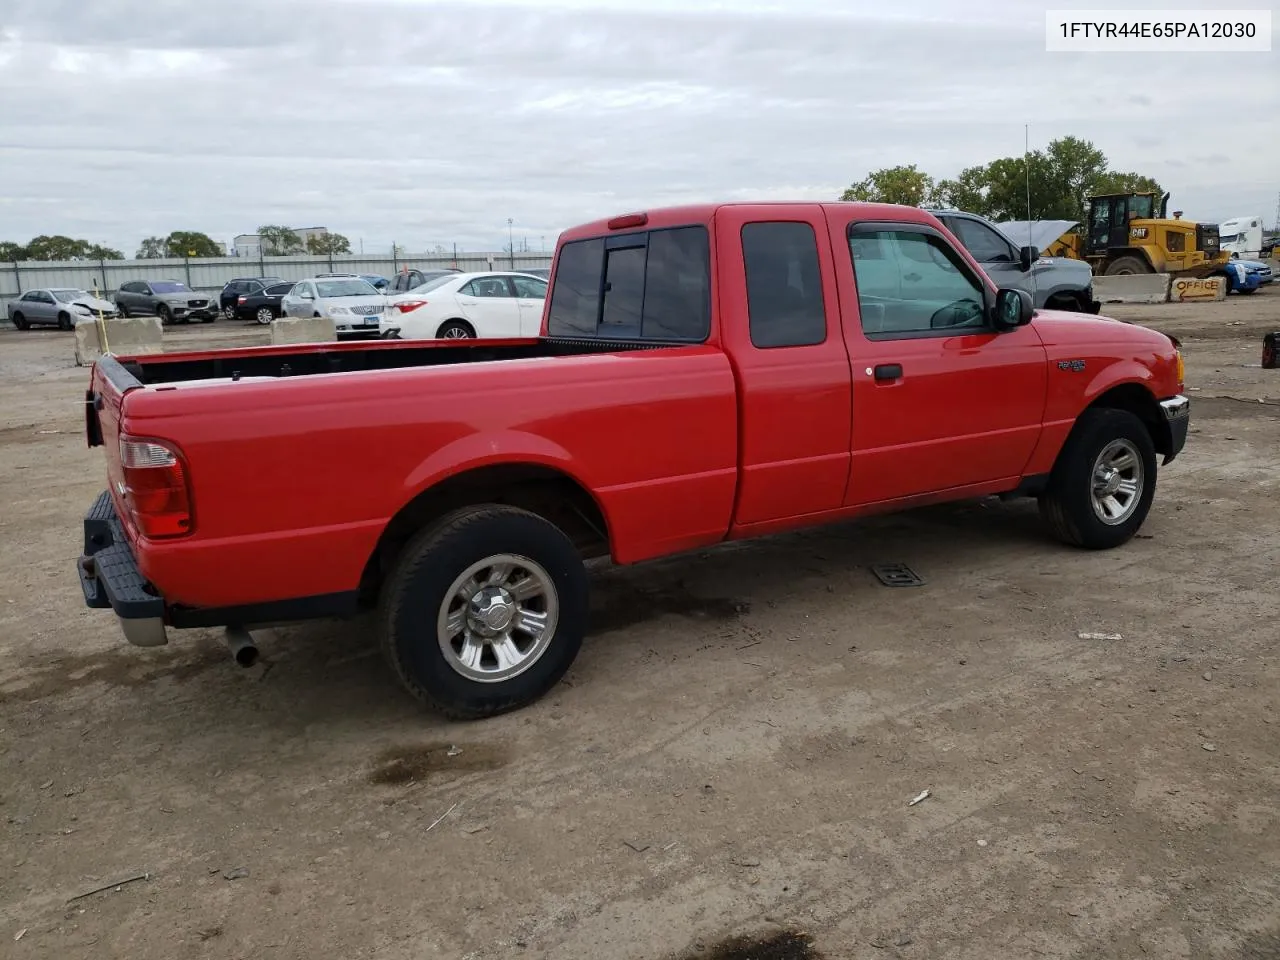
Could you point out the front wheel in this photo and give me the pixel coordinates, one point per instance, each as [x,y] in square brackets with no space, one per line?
[1128,267]
[122,310]
[165,316]
[485,611]
[1103,482]
[64,321]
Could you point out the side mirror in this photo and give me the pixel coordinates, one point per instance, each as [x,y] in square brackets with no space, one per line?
[1014,308]
[1026,257]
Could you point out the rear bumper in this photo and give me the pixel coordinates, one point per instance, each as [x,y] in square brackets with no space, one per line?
[1177,414]
[110,578]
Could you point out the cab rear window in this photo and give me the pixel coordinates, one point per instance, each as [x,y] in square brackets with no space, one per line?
[651,285]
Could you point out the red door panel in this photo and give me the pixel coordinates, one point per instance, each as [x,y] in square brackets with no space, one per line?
[794,399]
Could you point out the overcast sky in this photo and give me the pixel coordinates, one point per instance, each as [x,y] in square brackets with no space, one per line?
[425,122]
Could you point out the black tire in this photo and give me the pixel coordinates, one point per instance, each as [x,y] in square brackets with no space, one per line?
[122,310]
[1067,506]
[209,319]
[1128,266]
[456,330]
[414,593]
[21,322]
[165,316]
[64,321]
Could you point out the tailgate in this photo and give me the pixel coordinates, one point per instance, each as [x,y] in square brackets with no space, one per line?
[103,403]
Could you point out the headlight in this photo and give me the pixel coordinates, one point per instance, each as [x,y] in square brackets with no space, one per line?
[81,306]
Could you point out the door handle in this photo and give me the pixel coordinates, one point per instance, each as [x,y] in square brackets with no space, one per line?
[888,371]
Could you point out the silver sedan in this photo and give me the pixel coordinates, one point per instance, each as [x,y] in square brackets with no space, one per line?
[57,306]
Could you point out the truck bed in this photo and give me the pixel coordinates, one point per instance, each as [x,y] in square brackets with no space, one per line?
[300,360]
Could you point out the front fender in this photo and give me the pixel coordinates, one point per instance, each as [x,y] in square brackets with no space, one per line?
[1119,374]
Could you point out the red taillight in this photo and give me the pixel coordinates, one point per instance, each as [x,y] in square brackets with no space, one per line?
[239,300]
[155,487]
[409,305]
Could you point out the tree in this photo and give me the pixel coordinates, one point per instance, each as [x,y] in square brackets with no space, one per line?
[152,248]
[12,251]
[328,243]
[56,247]
[190,243]
[900,184]
[97,251]
[279,241]
[1054,183]
[1115,182]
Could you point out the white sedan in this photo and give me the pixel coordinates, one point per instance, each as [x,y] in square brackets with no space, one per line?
[465,305]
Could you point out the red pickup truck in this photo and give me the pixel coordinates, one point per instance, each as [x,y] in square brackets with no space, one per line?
[704,373]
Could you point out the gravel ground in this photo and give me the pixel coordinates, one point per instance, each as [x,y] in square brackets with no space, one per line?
[732,754]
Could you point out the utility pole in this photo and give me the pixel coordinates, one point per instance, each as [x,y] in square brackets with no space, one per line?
[511,243]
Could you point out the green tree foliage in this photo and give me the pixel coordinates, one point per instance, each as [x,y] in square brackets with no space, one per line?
[328,243]
[279,241]
[97,251]
[12,251]
[190,243]
[1062,178]
[906,185]
[152,248]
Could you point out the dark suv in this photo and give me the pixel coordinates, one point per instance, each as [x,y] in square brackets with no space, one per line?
[241,287]
[406,280]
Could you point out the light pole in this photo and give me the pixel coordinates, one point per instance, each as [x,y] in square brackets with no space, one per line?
[511,243]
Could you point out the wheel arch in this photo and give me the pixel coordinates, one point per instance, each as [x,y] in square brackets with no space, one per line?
[546,489]
[1137,398]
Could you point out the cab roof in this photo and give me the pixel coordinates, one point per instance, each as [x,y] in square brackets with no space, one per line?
[704,213]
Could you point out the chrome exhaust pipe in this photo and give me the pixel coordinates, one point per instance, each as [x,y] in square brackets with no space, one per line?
[242,646]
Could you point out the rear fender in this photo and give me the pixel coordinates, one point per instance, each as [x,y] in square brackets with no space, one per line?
[490,449]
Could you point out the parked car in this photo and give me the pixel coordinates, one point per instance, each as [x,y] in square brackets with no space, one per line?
[407,280]
[170,300]
[263,306]
[238,287]
[465,305]
[1245,276]
[459,486]
[542,273]
[56,306]
[1010,254]
[352,303]
[377,281]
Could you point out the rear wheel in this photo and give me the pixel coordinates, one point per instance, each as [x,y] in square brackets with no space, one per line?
[456,330]
[485,611]
[1127,267]
[264,315]
[21,322]
[1103,482]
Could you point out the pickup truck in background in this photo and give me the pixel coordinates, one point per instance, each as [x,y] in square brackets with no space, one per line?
[705,373]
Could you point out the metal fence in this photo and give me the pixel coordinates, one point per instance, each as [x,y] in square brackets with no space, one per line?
[209,274]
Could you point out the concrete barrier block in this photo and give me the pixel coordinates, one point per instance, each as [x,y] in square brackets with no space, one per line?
[302,330]
[1136,288]
[1186,289]
[126,337]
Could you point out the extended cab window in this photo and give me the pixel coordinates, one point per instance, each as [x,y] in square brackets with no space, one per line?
[653,285]
[911,283]
[784,286]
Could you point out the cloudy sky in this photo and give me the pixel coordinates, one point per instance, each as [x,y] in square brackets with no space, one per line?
[422,122]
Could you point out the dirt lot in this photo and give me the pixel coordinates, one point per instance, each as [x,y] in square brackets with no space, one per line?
[732,753]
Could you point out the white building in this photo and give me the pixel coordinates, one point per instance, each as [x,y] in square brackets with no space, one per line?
[250,244]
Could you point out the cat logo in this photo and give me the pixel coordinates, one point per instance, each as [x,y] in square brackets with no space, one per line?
[1138,233]
[1075,366]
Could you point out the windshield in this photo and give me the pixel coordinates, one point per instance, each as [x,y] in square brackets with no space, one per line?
[66,296]
[432,284]
[169,286]
[1140,207]
[345,288]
